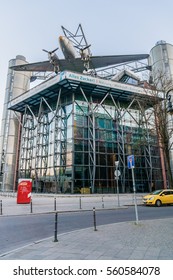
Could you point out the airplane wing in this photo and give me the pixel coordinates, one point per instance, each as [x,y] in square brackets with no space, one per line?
[77,64]
[104,61]
[43,66]
[34,67]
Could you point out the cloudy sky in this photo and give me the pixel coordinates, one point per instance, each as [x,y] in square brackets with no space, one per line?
[111,27]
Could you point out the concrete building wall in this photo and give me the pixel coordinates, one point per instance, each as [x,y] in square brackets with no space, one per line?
[17,83]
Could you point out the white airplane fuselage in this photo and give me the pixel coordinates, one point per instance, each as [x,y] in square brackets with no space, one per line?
[67,48]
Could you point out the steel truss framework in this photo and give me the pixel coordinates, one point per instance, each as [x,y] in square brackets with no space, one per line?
[46,157]
[78,38]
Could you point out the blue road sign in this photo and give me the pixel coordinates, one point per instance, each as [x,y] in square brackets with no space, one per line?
[131,161]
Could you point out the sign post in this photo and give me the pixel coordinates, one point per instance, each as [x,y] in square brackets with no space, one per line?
[131,165]
[117,174]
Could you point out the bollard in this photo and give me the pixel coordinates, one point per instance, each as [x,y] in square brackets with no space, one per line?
[31,206]
[55,204]
[56,227]
[94,218]
[1,207]
[80,203]
[102,202]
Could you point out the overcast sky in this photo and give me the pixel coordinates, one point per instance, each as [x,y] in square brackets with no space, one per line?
[110,26]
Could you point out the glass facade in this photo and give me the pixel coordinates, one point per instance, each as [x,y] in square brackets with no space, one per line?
[72,146]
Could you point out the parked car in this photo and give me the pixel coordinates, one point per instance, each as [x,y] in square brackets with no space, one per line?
[159,197]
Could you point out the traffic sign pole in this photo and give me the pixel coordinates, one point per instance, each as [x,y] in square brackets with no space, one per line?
[131,165]
[134,191]
[117,173]
[118,192]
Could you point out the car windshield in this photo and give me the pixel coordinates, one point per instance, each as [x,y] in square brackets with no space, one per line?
[156,192]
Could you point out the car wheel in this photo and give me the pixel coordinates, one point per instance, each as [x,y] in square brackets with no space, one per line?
[158,203]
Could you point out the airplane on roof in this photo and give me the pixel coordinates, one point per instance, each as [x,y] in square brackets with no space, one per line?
[74,60]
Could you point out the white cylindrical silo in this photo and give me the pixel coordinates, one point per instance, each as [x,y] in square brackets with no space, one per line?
[17,83]
[161,61]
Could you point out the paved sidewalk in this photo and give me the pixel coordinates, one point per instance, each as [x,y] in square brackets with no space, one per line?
[148,240]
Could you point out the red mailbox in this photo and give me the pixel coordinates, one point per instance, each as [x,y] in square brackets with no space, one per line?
[24,191]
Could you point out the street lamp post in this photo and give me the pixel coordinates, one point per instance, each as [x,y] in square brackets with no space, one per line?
[116,176]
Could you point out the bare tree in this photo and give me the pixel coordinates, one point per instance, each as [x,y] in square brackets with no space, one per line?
[157,95]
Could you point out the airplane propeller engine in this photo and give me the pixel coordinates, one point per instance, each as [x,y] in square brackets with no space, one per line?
[53,58]
[85,55]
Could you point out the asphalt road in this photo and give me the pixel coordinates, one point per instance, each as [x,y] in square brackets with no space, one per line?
[17,231]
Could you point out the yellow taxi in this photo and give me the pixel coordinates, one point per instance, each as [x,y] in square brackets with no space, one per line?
[159,197]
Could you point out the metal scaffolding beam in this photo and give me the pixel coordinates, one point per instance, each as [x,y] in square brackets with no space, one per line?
[27,143]
[60,144]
